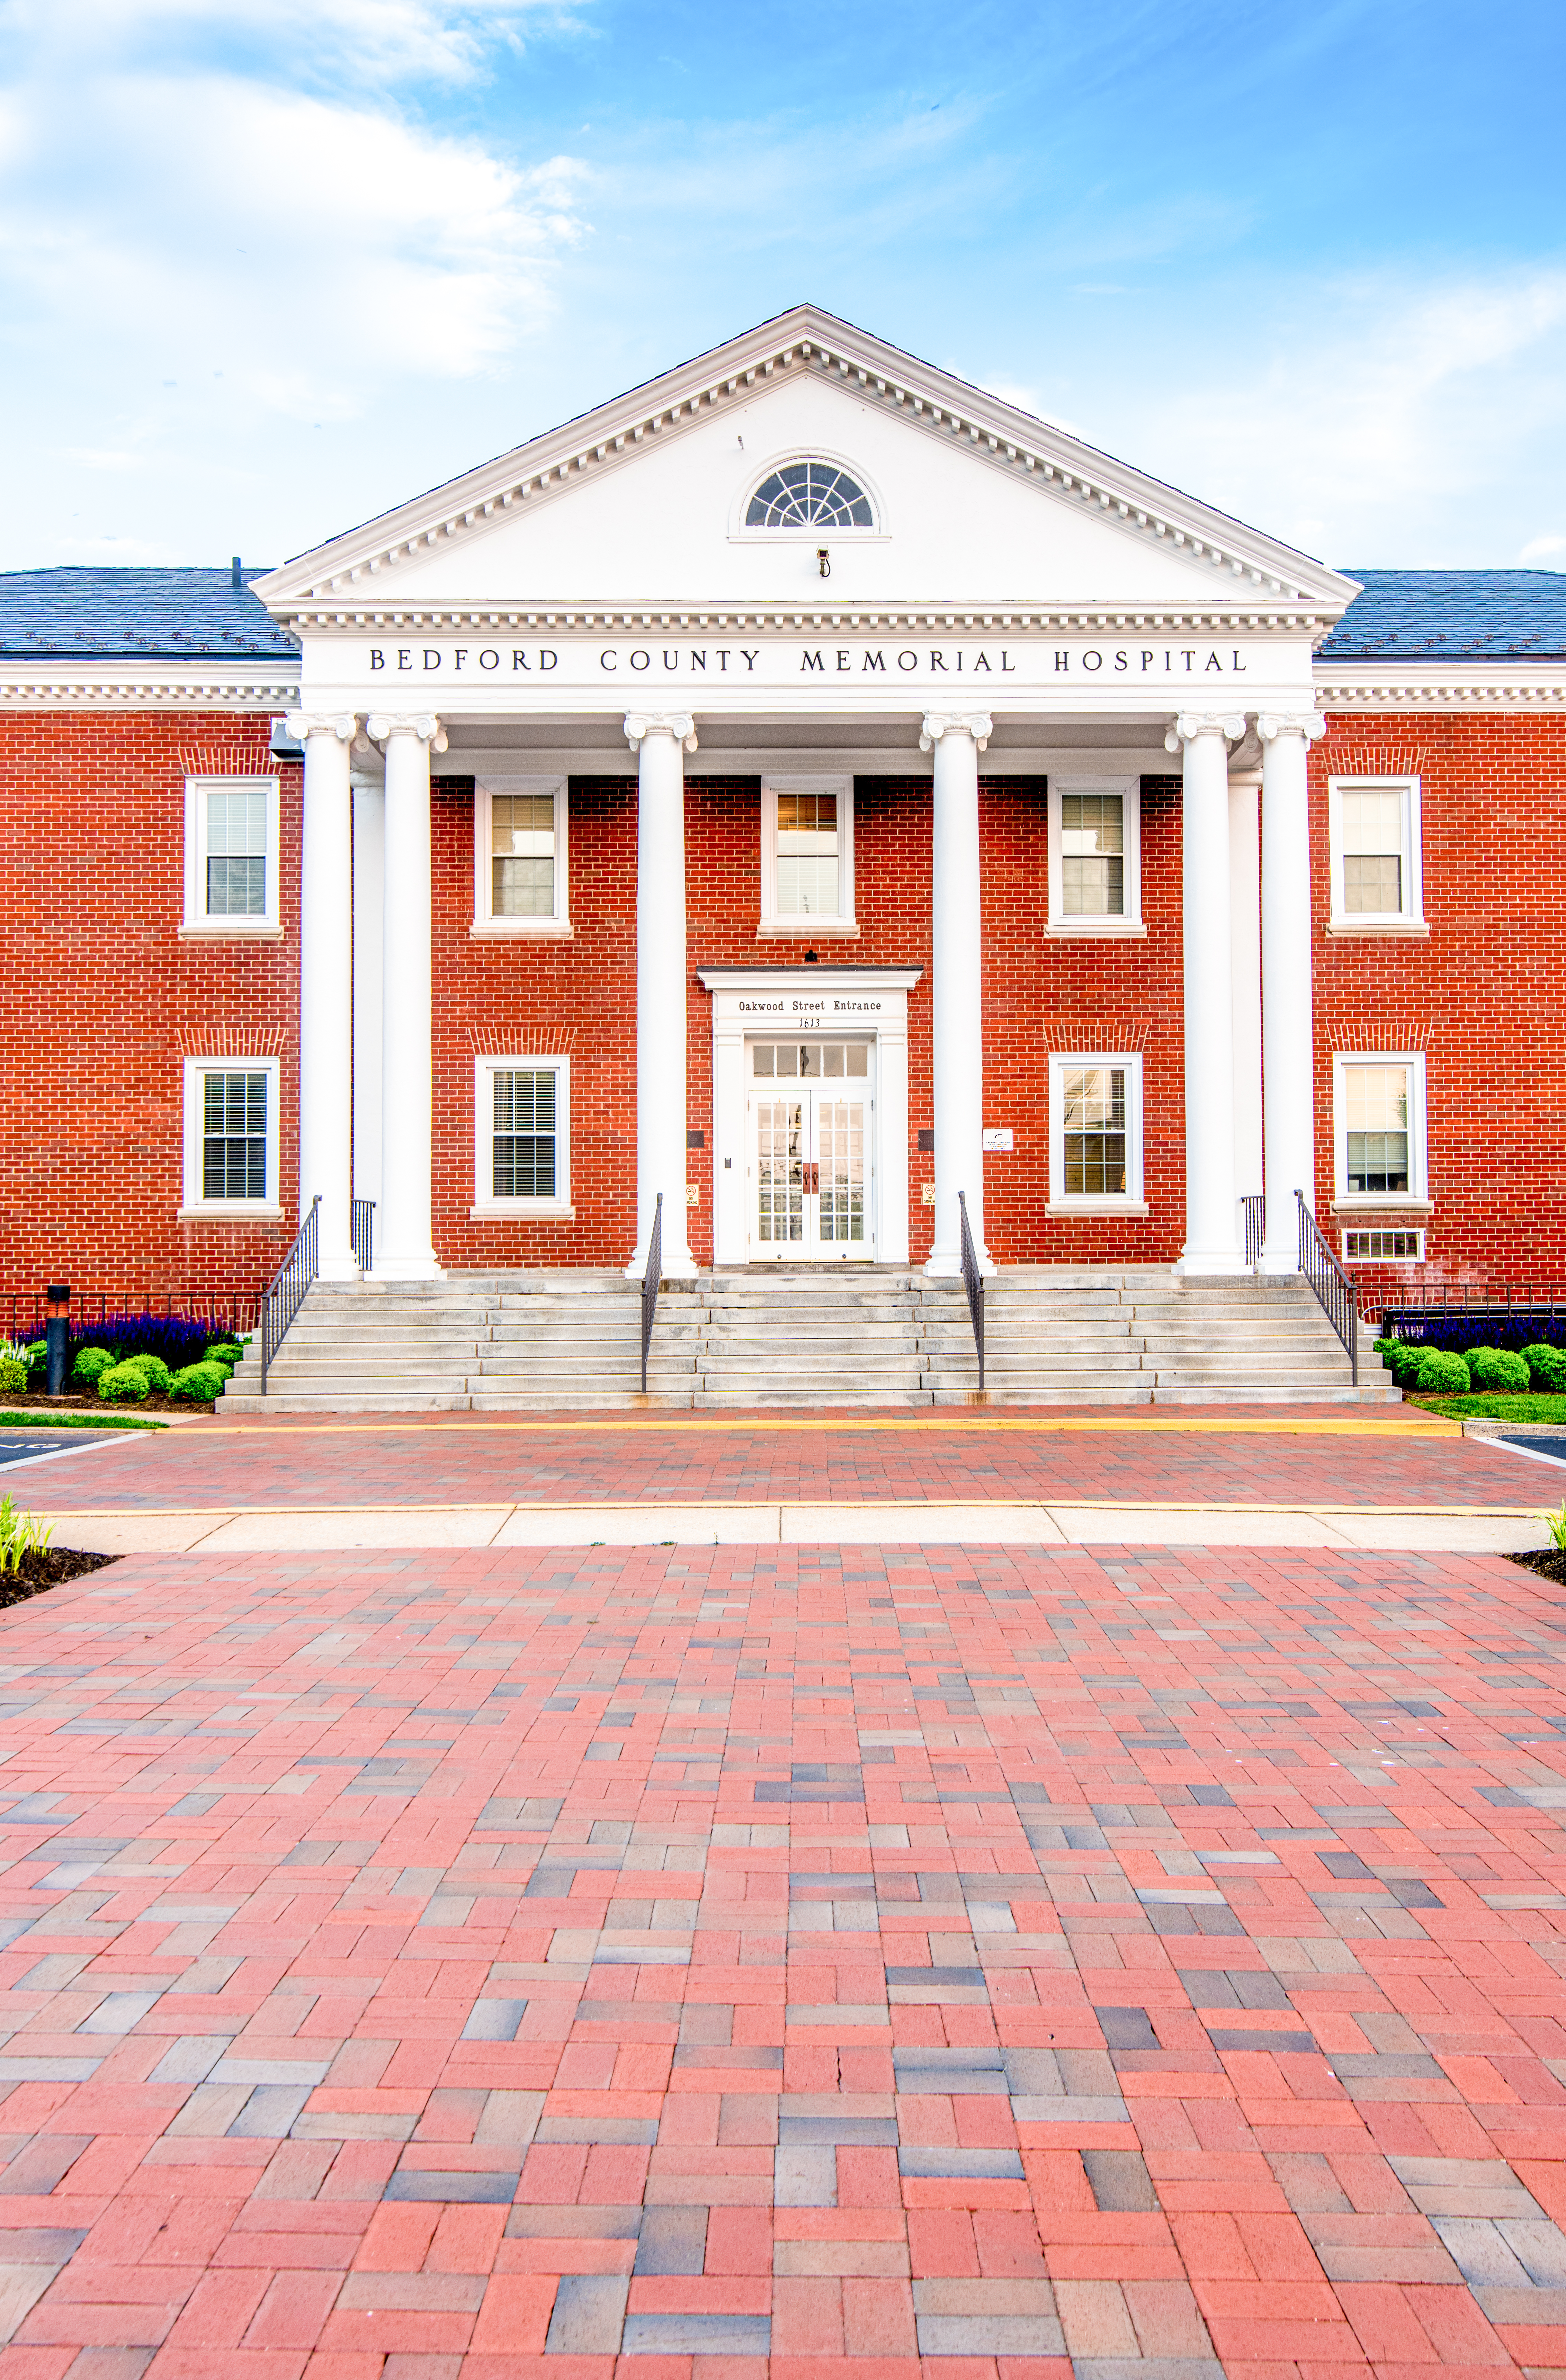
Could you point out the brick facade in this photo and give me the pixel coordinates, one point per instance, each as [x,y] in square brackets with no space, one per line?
[105,998]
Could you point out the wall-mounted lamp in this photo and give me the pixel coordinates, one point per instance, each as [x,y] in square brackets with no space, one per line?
[823,561]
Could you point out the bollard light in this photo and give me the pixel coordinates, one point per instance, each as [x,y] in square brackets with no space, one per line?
[56,1333]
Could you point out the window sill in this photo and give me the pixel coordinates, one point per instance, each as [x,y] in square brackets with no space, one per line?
[1110,928]
[808,930]
[523,1211]
[1097,1207]
[521,929]
[1389,1206]
[1410,929]
[239,929]
[238,1211]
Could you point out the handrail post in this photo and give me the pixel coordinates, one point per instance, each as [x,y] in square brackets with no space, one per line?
[649,1283]
[284,1294]
[973,1281]
[1334,1291]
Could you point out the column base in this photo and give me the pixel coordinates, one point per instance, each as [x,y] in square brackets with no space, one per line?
[420,1268]
[1211,1264]
[677,1265]
[946,1264]
[337,1265]
[1277,1262]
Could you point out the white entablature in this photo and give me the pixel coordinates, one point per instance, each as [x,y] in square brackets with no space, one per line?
[635,516]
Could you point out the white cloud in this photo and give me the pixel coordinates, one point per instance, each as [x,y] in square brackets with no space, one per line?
[199,258]
[1540,550]
[1358,413]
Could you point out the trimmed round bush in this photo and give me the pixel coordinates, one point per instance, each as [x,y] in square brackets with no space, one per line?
[201,1384]
[223,1351]
[1497,1371]
[91,1364]
[36,1355]
[157,1373]
[1401,1359]
[13,1377]
[123,1384]
[1546,1367]
[1441,1375]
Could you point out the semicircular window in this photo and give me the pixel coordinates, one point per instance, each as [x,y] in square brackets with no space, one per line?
[810,495]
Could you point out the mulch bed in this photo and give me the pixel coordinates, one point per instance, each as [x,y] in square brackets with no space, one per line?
[1548,1561]
[38,1401]
[41,1572]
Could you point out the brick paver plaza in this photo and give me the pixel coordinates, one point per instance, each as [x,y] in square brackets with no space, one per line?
[425,1964]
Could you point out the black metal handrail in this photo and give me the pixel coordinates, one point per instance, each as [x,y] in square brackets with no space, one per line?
[649,1281]
[285,1293]
[973,1281]
[362,1233]
[1334,1291]
[1255,1211]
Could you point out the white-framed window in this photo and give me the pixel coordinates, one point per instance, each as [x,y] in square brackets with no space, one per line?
[1378,1129]
[808,857]
[522,1137]
[230,1139]
[231,856]
[1378,878]
[1096,1133]
[809,493]
[521,884]
[1094,837]
[1384,1247]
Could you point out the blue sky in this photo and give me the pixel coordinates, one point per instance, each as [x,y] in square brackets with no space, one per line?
[269,266]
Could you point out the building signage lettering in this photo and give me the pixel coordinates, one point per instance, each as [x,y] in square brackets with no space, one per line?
[806,1016]
[785,663]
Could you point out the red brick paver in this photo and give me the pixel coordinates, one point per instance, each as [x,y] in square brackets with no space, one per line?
[1392,1459]
[488,1964]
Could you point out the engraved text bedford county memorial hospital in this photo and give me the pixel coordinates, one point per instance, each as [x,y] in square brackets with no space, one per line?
[778,664]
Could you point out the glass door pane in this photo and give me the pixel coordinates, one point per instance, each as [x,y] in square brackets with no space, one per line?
[839,1142]
[780,1174]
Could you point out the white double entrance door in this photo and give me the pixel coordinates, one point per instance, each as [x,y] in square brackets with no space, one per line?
[810,1141]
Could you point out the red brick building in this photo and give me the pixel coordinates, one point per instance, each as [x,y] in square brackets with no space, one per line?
[808,789]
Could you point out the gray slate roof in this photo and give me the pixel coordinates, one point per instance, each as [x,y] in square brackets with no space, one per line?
[131,615]
[171,614]
[1452,614]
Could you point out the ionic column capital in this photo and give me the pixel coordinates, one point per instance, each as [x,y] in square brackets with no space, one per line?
[424,724]
[1189,724]
[937,723]
[1273,724]
[344,725]
[640,724]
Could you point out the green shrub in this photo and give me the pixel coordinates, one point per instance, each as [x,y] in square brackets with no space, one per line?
[90,1363]
[1401,1359]
[123,1384]
[13,1377]
[156,1370]
[223,1351]
[201,1384]
[1441,1375]
[1496,1368]
[1546,1367]
[36,1355]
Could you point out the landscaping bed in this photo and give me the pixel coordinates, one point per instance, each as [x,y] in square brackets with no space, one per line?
[1546,1561]
[29,1406]
[55,1566]
[1538,1405]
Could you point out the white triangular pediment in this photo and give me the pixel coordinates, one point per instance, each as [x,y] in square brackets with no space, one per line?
[642,505]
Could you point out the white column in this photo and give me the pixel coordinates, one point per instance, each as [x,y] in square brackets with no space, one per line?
[1244,977]
[1212,1218]
[326,988]
[405,1248]
[956,985]
[660,740]
[369,898]
[1289,1054]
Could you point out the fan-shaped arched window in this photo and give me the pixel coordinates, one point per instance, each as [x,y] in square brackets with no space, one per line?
[810,495]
